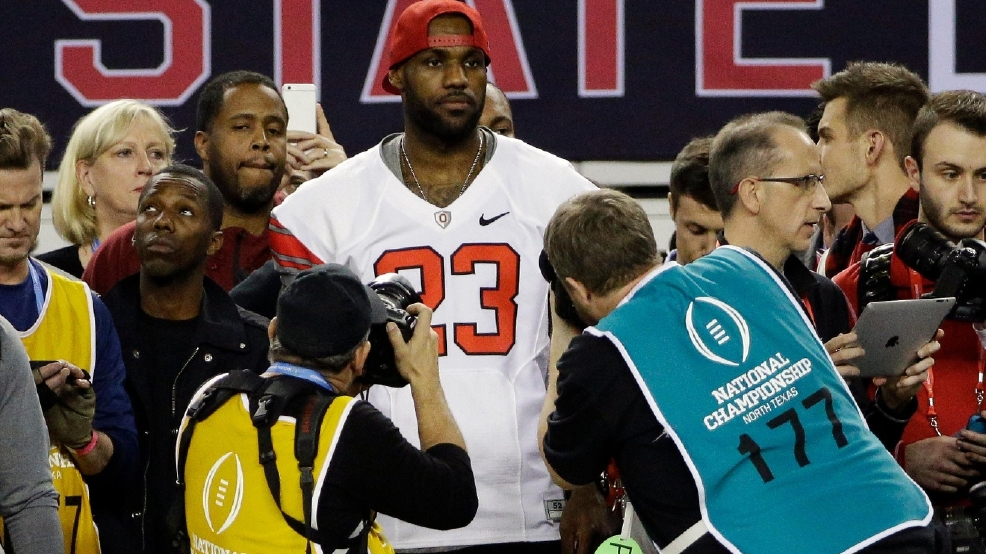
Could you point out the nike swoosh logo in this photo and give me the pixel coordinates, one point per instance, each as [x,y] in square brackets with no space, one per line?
[484,222]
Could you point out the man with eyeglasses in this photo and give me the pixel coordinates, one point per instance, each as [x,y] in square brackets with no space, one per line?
[766,175]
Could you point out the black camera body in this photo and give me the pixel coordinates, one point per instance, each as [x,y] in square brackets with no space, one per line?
[396,293]
[564,306]
[958,270]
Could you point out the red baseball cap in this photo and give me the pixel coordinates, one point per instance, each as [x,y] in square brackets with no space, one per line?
[411,33]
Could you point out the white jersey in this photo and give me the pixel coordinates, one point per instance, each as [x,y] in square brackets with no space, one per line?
[475,263]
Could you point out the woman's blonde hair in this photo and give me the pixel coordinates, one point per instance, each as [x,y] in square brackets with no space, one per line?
[94,134]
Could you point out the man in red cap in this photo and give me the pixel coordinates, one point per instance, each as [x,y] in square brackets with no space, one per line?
[461,212]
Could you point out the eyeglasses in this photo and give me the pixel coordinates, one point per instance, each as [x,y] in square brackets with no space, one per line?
[807,184]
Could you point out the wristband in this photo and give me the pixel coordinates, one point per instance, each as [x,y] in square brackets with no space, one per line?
[85,450]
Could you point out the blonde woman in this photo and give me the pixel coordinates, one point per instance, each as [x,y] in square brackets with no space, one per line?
[113,151]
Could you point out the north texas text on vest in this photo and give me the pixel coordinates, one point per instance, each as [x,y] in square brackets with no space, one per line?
[757,391]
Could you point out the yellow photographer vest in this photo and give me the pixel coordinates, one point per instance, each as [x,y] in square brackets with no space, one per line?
[66,330]
[228,504]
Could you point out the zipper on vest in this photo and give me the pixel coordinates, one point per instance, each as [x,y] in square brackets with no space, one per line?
[174,384]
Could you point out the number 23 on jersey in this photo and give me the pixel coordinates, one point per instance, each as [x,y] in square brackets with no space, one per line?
[501,297]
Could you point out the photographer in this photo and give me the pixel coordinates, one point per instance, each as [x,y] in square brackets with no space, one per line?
[319,343]
[636,387]
[947,167]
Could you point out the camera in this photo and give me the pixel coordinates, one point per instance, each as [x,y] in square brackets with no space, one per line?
[563,302]
[958,270]
[396,293]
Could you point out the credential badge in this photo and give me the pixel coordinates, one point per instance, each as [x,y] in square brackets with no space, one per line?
[443,218]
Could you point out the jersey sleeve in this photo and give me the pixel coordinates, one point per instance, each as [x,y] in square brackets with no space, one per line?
[290,253]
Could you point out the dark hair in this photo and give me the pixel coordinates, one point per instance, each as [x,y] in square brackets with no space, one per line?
[813,119]
[881,96]
[214,198]
[23,139]
[213,93]
[331,364]
[745,147]
[964,108]
[602,238]
[690,173]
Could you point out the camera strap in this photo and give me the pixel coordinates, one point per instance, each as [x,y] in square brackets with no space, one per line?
[917,291]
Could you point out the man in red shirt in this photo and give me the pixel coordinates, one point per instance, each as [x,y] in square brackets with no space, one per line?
[947,167]
[241,137]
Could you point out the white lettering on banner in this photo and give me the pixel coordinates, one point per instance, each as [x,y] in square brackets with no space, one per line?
[721,69]
[204,546]
[756,392]
[941,51]
[187,54]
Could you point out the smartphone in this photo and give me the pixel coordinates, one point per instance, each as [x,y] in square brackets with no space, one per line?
[300,101]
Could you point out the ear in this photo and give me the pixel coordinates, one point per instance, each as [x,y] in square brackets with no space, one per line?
[359,358]
[272,328]
[578,291]
[876,144]
[83,173]
[671,205]
[913,173]
[215,243]
[396,78]
[202,146]
[750,194]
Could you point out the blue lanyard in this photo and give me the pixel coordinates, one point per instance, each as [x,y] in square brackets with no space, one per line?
[310,375]
[39,294]
[94,245]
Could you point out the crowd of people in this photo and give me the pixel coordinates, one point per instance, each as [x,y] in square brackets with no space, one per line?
[204,352]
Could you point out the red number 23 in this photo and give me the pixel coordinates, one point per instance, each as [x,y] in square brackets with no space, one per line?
[500,298]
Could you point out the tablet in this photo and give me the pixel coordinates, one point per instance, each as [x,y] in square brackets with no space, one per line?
[892,332]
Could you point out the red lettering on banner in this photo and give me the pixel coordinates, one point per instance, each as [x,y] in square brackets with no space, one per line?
[601,48]
[297,42]
[187,54]
[721,69]
[510,69]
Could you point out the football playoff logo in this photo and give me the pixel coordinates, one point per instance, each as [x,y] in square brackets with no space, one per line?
[222,494]
[721,335]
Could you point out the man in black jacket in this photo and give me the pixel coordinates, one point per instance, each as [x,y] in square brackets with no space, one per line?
[177,330]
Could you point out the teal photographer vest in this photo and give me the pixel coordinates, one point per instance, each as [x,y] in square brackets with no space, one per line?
[734,371]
